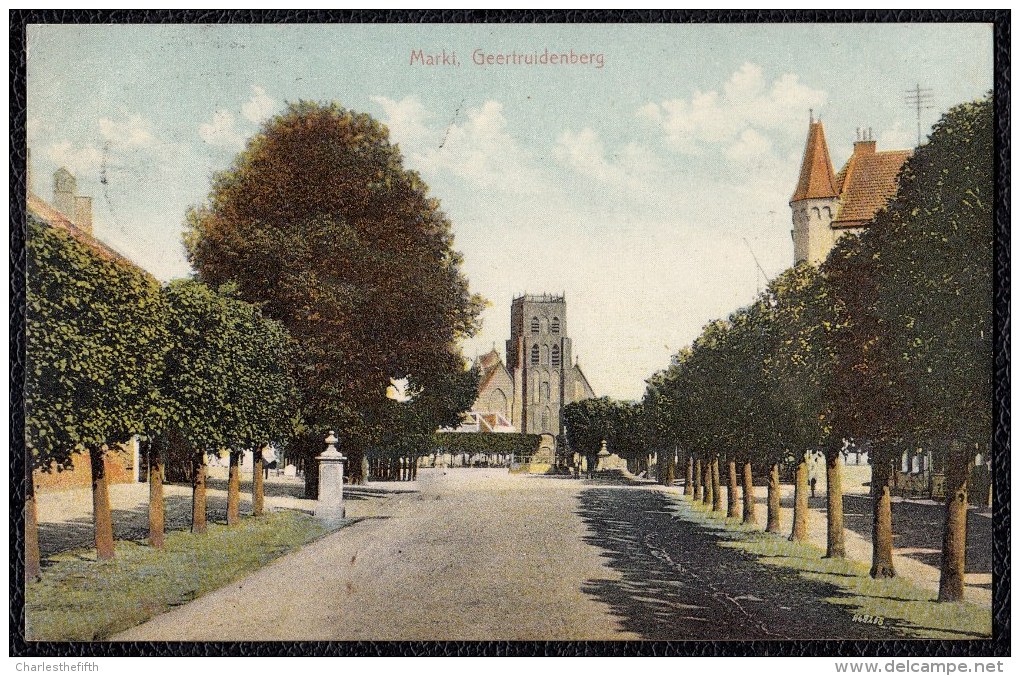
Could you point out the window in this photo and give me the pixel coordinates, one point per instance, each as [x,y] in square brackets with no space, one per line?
[534,325]
[554,326]
[815,212]
[546,419]
[534,355]
[556,356]
[546,394]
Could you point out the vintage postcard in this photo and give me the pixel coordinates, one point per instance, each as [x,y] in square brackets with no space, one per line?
[510,332]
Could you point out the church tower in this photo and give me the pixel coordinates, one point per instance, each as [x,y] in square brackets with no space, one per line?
[815,201]
[540,355]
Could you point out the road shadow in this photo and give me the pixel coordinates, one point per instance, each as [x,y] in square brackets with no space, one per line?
[679,581]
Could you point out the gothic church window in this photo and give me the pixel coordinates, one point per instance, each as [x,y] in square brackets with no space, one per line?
[534,355]
[556,356]
[546,419]
[534,325]
[554,326]
[546,394]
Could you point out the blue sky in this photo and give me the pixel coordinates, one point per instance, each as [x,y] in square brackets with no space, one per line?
[638,188]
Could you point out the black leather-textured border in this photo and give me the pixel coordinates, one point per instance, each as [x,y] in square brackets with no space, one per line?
[998,645]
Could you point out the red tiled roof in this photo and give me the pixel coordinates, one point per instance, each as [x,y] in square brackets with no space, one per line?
[39,208]
[866,183]
[816,174]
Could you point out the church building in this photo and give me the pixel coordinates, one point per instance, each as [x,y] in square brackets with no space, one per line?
[825,204]
[528,391]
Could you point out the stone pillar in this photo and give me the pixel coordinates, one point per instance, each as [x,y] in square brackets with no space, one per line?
[330,505]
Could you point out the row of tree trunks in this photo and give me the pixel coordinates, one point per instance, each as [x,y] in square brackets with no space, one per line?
[709,496]
[404,468]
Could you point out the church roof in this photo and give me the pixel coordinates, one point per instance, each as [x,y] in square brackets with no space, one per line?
[489,364]
[817,178]
[866,183]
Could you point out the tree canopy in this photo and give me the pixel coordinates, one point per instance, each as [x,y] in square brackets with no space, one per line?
[319,223]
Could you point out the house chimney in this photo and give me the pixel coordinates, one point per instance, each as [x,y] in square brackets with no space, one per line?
[83,213]
[865,143]
[64,187]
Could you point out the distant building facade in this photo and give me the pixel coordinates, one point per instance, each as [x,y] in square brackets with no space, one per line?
[527,392]
[826,205]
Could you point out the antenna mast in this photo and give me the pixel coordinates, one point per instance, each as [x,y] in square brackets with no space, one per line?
[919,98]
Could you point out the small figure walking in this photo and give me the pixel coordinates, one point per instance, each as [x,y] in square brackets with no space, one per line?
[814,482]
[268,460]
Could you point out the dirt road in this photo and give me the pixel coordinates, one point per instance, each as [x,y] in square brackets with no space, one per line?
[476,554]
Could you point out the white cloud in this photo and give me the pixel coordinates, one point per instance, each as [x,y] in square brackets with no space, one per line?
[585,153]
[746,102]
[406,120]
[221,131]
[132,131]
[475,145]
[751,145]
[259,106]
[79,160]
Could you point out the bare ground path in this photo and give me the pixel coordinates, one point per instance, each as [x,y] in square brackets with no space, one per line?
[472,555]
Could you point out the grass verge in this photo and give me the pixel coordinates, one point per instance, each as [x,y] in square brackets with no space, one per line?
[82,599]
[904,607]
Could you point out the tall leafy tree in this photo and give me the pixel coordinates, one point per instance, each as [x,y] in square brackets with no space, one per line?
[227,382]
[934,248]
[95,339]
[319,223]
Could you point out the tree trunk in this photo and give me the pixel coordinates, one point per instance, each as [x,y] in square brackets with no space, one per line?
[234,489]
[198,492]
[33,558]
[954,540]
[749,507]
[716,489]
[157,519]
[699,485]
[101,518]
[356,461]
[707,483]
[881,522]
[689,477]
[835,546]
[669,473]
[800,502]
[732,510]
[258,490]
[775,495]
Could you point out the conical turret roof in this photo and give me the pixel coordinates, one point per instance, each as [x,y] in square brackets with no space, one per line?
[817,179]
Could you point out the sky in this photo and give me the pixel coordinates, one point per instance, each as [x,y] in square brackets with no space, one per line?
[649,182]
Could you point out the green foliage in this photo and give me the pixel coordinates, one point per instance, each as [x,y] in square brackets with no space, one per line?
[620,424]
[95,345]
[890,341]
[516,445]
[228,380]
[319,223]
